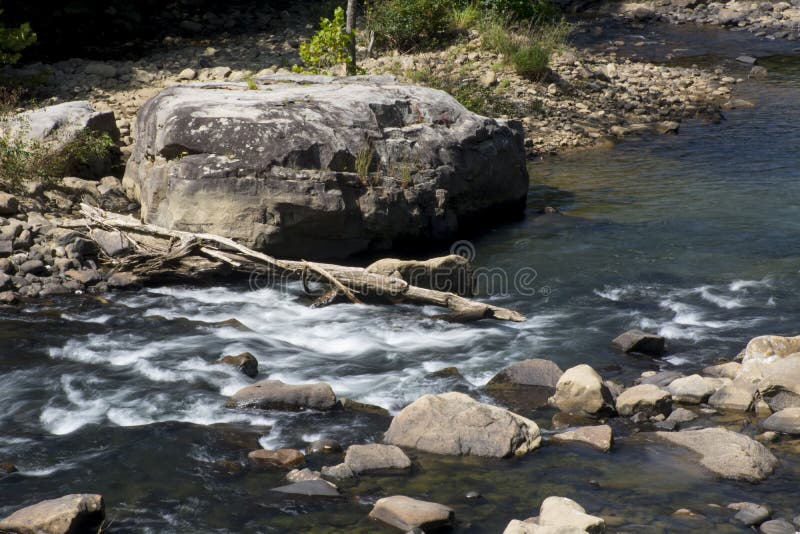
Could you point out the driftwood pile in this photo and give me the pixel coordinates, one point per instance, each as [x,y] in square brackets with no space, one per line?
[156,250]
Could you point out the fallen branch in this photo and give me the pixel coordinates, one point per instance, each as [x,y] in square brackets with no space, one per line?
[347,280]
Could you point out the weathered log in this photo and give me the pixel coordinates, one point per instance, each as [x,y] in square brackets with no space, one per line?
[350,281]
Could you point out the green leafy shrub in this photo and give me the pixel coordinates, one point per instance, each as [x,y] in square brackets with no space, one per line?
[537,10]
[328,47]
[527,51]
[23,160]
[409,24]
[13,41]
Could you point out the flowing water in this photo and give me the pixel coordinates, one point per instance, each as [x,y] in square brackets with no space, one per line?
[696,237]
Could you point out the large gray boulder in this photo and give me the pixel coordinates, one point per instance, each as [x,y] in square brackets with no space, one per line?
[70,514]
[646,398]
[581,391]
[454,423]
[726,453]
[315,166]
[786,421]
[780,387]
[375,457]
[408,514]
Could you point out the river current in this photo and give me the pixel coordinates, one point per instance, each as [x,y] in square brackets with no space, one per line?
[695,236]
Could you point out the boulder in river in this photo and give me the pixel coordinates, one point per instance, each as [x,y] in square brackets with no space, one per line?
[786,421]
[581,391]
[737,395]
[454,423]
[780,386]
[533,372]
[245,362]
[645,398]
[769,347]
[726,453]
[558,515]
[777,526]
[71,514]
[286,458]
[692,389]
[322,167]
[640,342]
[276,395]
[375,457]
[598,436]
[750,514]
[310,488]
[407,514]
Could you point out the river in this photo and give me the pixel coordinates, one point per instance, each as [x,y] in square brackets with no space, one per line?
[695,236]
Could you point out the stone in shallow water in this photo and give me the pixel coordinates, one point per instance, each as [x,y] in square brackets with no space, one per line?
[738,395]
[285,458]
[533,372]
[786,421]
[245,362]
[70,514]
[646,398]
[692,389]
[599,436]
[406,513]
[777,526]
[726,453]
[581,391]
[276,395]
[325,445]
[311,488]
[375,457]
[641,342]
[454,423]
[749,513]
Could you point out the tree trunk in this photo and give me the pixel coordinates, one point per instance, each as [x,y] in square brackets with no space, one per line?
[350,28]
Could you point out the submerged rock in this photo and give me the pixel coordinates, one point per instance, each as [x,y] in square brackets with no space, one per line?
[599,436]
[581,391]
[777,526]
[288,169]
[407,514]
[454,423]
[750,514]
[641,342]
[276,395]
[310,488]
[533,372]
[325,445]
[71,514]
[645,398]
[375,457]
[726,453]
[245,362]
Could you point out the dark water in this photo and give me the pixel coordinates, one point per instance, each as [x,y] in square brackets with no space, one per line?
[695,236]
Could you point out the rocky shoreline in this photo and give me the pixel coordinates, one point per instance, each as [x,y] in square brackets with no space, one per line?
[757,395]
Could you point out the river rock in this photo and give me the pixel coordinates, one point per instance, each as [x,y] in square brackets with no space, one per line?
[641,342]
[407,514]
[245,362]
[276,395]
[325,445]
[375,457]
[70,514]
[780,386]
[777,526]
[598,436]
[310,488]
[738,395]
[564,513]
[533,372]
[723,370]
[275,168]
[286,458]
[451,273]
[112,243]
[454,423]
[645,398]
[581,391]
[9,205]
[769,347]
[750,514]
[338,471]
[726,453]
[301,475]
[786,421]
[362,407]
[692,389]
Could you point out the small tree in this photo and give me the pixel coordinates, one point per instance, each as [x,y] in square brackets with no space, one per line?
[350,28]
[13,41]
[328,47]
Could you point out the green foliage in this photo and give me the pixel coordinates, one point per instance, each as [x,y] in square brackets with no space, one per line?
[23,160]
[409,24]
[328,47]
[474,96]
[528,51]
[252,83]
[538,11]
[466,17]
[13,41]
